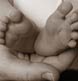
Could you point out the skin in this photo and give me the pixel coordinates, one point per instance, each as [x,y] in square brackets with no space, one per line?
[12,12]
[59,33]
[18,36]
[75,7]
[21,69]
[25,70]
[15,29]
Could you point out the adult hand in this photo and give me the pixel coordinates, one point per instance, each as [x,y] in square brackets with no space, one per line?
[12,68]
[60,62]
[37,68]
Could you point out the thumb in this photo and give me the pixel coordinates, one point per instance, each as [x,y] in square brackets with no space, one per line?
[51,76]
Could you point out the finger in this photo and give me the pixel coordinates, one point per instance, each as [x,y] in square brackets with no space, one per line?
[21,56]
[63,60]
[53,75]
[36,58]
[48,76]
[46,72]
[27,58]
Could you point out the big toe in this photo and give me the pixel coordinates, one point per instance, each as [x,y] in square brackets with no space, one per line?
[14,15]
[64,9]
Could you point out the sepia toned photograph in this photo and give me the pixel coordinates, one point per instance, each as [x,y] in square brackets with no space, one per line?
[38,40]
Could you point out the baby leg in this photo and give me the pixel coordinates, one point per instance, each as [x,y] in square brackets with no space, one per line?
[58,33]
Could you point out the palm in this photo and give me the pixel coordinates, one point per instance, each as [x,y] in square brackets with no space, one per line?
[21,69]
[36,66]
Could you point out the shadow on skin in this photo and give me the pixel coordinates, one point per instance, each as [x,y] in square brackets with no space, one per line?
[69,75]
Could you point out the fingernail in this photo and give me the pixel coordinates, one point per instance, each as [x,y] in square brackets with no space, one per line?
[48,76]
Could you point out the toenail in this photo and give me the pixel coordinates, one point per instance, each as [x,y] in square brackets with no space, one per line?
[48,76]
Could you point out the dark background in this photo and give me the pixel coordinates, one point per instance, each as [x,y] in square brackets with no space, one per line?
[69,75]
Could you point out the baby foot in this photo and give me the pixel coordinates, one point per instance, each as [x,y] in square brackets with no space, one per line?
[21,36]
[59,32]
[17,34]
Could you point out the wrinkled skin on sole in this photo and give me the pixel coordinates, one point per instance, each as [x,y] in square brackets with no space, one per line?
[17,32]
[21,36]
[58,34]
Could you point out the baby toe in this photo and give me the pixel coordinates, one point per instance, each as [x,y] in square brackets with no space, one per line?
[2,34]
[74,26]
[15,16]
[3,26]
[72,19]
[2,41]
[72,44]
[4,19]
[74,35]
